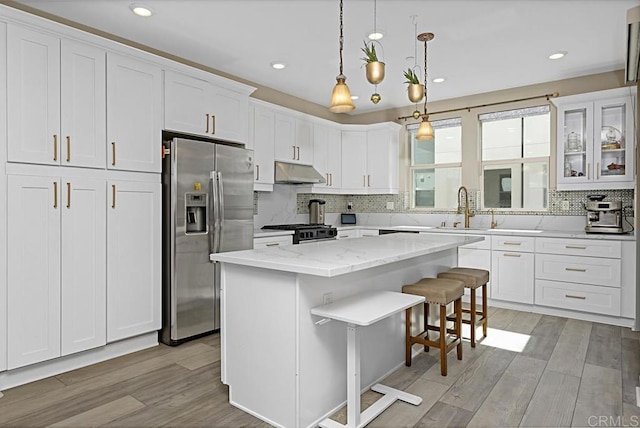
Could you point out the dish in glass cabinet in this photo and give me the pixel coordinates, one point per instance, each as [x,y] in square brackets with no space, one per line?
[611,138]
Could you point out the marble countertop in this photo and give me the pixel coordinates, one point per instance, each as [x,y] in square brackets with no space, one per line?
[333,258]
[536,233]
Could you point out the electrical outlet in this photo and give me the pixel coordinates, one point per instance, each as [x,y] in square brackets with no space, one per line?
[565,206]
[349,205]
[327,298]
[390,205]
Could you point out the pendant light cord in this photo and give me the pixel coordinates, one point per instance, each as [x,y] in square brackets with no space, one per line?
[341,38]
[425,77]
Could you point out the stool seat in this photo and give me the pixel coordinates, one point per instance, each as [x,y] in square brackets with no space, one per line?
[472,278]
[441,292]
[435,290]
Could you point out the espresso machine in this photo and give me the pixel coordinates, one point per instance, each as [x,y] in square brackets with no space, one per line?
[604,216]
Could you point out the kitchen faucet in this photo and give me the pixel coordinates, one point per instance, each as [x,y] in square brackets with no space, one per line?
[467,212]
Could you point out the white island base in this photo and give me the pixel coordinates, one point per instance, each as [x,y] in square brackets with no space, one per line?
[279,364]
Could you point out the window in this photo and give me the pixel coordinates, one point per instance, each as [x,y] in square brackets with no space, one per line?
[436,166]
[515,158]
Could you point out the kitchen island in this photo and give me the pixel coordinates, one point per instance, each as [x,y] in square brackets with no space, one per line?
[287,366]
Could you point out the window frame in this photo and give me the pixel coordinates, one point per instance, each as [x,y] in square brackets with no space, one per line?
[411,130]
[511,161]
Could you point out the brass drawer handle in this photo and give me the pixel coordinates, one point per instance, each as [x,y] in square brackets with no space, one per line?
[213,124]
[272,244]
[575,247]
[570,296]
[257,172]
[113,153]
[512,255]
[68,195]
[368,181]
[513,243]
[207,130]
[113,196]
[55,147]
[68,149]
[575,269]
[55,194]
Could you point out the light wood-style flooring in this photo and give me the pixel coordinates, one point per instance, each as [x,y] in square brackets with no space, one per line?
[555,372]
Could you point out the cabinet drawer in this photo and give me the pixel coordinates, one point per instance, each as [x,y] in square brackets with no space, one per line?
[513,243]
[272,241]
[579,247]
[345,234]
[481,245]
[368,232]
[587,298]
[581,270]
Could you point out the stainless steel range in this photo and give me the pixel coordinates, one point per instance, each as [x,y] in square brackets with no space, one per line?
[307,232]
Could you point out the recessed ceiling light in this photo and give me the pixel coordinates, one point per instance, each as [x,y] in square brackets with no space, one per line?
[375,35]
[140,10]
[438,80]
[557,55]
[278,65]
[354,97]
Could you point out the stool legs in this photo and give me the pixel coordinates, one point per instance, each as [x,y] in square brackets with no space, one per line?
[458,308]
[473,317]
[426,325]
[443,340]
[484,310]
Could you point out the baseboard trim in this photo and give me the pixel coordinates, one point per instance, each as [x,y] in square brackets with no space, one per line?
[33,372]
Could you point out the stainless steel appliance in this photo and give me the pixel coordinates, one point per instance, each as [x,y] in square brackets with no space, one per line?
[207,196]
[316,211]
[307,232]
[604,217]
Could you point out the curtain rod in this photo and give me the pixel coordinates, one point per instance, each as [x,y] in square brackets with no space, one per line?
[547,96]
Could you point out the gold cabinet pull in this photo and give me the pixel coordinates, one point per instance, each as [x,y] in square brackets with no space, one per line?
[588,171]
[330,179]
[257,172]
[294,153]
[68,149]
[272,244]
[368,180]
[598,170]
[113,153]
[213,124]
[55,147]
[571,296]
[364,181]
[55,194]
[327,175]
[512,255]
[68,194]
[113,196]
[570,269]
[575,247]
[512,243]
[207,130]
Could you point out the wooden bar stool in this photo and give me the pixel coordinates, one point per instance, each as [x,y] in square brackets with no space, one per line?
[473,279]
[438,292]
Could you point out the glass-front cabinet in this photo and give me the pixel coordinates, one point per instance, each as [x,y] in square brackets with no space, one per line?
[595,140]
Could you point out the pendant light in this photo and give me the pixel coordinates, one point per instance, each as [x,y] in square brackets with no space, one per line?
[341,97]
[425,130]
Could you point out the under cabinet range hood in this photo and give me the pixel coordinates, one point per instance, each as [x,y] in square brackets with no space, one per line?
[292,173]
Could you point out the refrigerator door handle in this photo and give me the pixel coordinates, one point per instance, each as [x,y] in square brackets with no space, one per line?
[213,218]
[220,210]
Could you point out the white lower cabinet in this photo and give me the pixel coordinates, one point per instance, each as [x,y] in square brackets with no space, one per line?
[346,234]
[477,256]
[133,258]
[512,268]
[579,274]
[56,267]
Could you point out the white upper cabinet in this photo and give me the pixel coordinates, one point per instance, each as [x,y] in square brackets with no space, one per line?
[304,141]
[56,100]
[197,106]
[83,105]
[595,140]
[134,114]
[370,159]
[286,149]
[327,157]
[262,139]
[33,96]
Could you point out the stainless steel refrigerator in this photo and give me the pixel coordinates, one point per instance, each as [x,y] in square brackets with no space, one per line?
[207,196]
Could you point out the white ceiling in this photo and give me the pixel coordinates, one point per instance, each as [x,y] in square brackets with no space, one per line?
[479,45]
